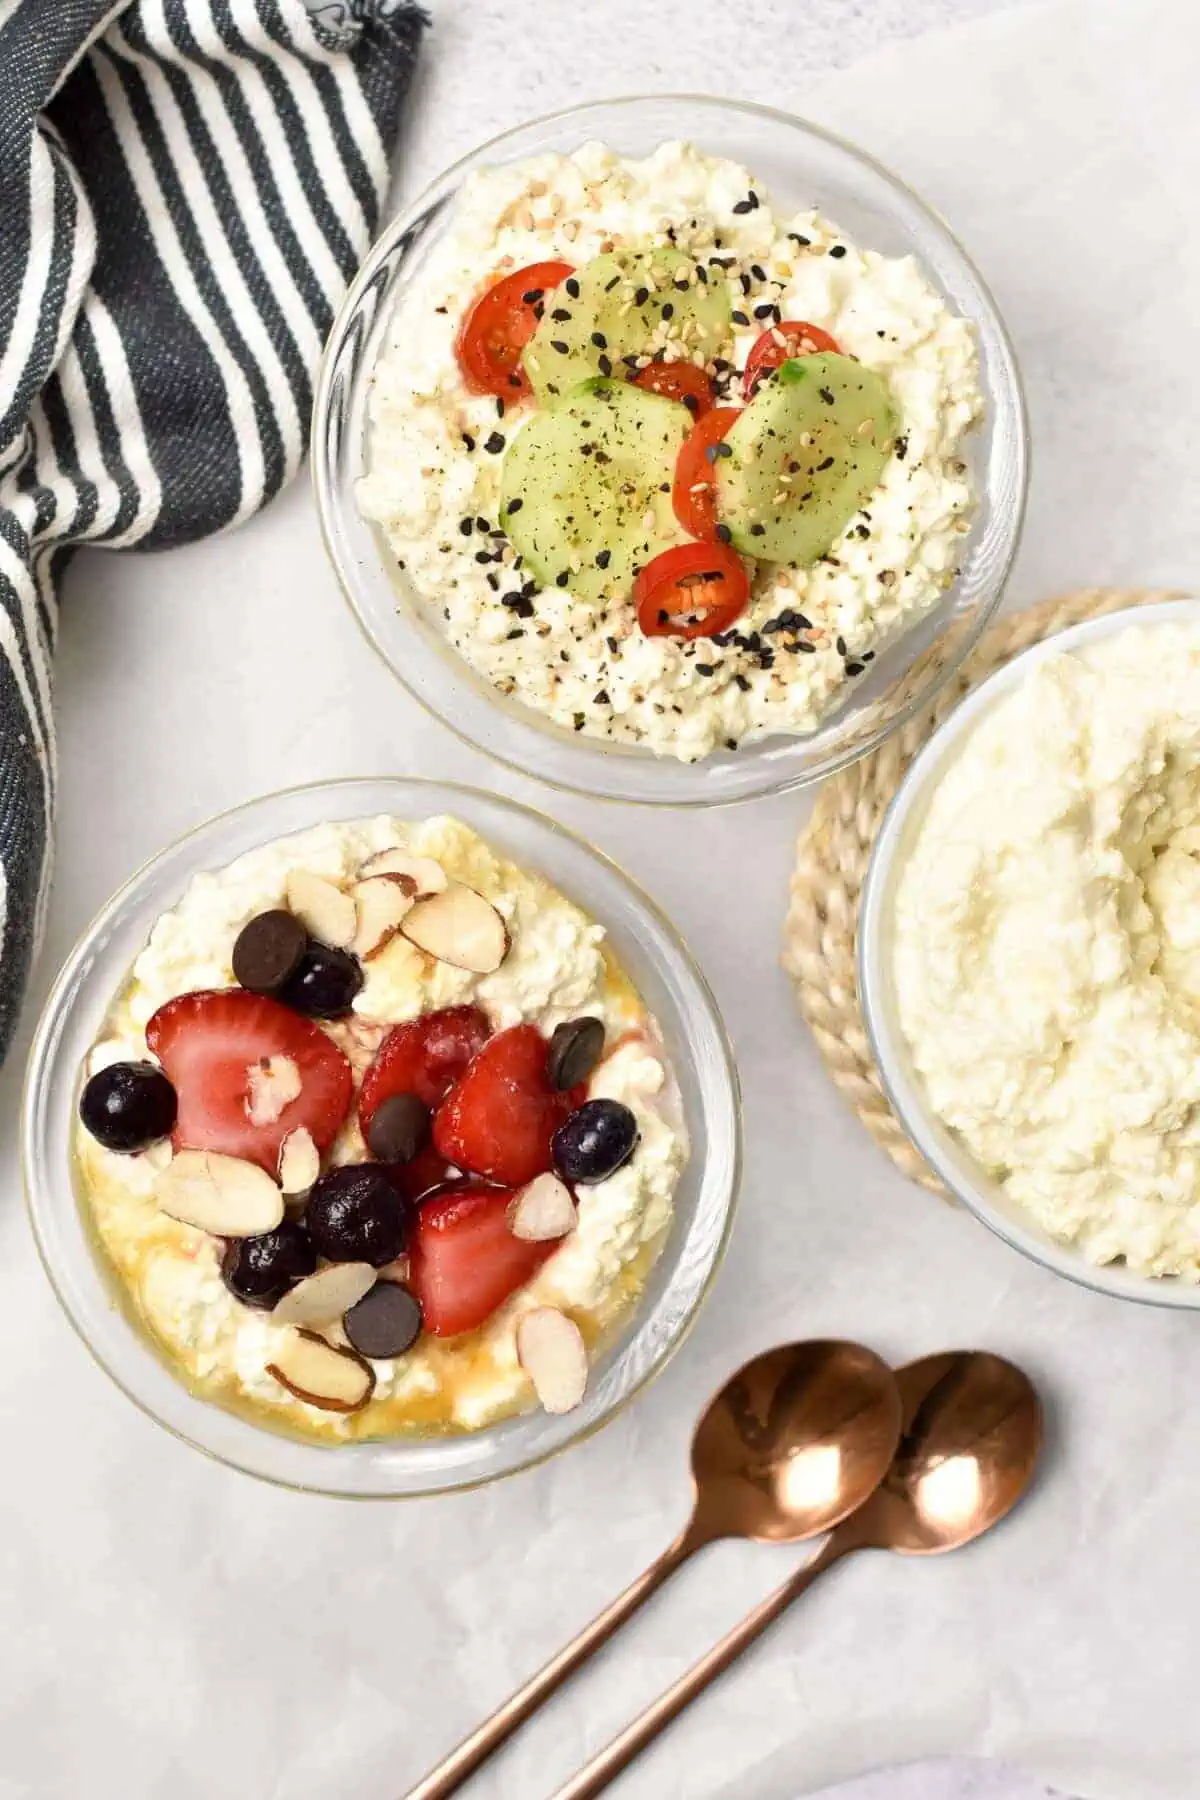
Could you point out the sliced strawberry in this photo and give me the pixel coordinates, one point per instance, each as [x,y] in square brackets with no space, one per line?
[464,1261]
[500,1118]
[424,1057]
[427,1170]
[210,1042]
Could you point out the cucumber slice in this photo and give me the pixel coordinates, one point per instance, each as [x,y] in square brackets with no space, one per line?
[626,303]
[585,490]
[803,457]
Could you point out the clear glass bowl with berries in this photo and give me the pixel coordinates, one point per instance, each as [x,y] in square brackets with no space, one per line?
[670,449]
[381,1138]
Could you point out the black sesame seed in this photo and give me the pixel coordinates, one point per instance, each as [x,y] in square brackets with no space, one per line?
[572,287]
[602,698]
[706,668]
[468,440]
[516,632]
[562,578]
[533,296]
[902,447]
[724,533]
[855,668]
[757,530]
[483,556]
[493,581]
[557,344]
[641,295]
[723,449]
[758,272]
[826,395]
[603,558]
[743,682]
[739,318]
[610,285]
[560,315]
[605,364]
[499,406]
[837,250]
[681,287]
[827,464]
[764,312]
[742,206]
[494,444]
[515,505]
[797,239]
[600,341]
[803,645]
[841,646]
[668,311]
[466,526]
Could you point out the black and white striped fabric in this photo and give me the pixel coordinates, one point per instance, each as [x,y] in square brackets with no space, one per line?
[186,186]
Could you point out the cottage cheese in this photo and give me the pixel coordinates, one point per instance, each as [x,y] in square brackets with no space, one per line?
[1047,948]
[436,451]
[558,967]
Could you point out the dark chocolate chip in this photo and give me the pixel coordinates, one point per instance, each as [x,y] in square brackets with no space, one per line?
[574,1052]
[268,950]
[399,1129]
[385,1322]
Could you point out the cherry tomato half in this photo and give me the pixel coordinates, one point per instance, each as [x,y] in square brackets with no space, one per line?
[795,337]
[691,591]
[678,381]
[499,326]
[694,490]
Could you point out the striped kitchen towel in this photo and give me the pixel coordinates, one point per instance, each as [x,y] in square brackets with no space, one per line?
[186,187]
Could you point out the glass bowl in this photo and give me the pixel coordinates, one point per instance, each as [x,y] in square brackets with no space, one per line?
[942,1150]
[675,991]
[800,165]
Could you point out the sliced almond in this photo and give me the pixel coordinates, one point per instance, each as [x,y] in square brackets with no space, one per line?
[271,1086]
[337,1380]
[427,876]
[459,927]
[382,901]
[321,1298]
[552,1352]
[542,1211]
[322,908]
[299,1162]
[219,1194]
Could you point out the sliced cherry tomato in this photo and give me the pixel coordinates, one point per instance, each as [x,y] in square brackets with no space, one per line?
[499,326]
[693,494]
[795,337]
[691,591]
[678,381]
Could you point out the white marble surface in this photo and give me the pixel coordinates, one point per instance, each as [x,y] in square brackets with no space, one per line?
[175,1629]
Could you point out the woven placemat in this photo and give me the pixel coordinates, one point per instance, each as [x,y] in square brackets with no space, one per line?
[835,847]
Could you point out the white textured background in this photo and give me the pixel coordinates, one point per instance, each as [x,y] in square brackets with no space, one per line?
[173,1629]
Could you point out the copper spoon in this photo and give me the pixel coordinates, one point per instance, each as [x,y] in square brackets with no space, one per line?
[792,1443]
[972,1432]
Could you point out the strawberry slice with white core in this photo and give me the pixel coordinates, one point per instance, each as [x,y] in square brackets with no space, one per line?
[464,1261]
[222,1048]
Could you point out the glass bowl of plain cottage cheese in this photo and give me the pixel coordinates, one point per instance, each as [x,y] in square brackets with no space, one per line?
[171,1297]
[1028,953]
[507,548]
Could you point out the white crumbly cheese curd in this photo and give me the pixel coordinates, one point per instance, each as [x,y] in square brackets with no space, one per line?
[1047,947]
[558,967]
[435,455]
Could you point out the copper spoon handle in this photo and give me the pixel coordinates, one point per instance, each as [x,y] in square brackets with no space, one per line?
[462,1762]
[608,1763]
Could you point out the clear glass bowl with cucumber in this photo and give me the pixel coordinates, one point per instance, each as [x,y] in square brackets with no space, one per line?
[582,495]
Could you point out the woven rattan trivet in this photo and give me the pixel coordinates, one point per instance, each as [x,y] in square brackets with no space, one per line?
[835,847]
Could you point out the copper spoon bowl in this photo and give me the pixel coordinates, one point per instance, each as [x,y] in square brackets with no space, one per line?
[972,1431]
[792,1444]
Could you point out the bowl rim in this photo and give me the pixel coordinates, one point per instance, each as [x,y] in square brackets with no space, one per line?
[963,1178]
[323,482]
[40,1066]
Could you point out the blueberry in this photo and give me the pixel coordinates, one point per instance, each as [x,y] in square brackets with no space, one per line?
[594,1141]
[128,1105]
[324,983]
[354,1214]
[258,1271]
